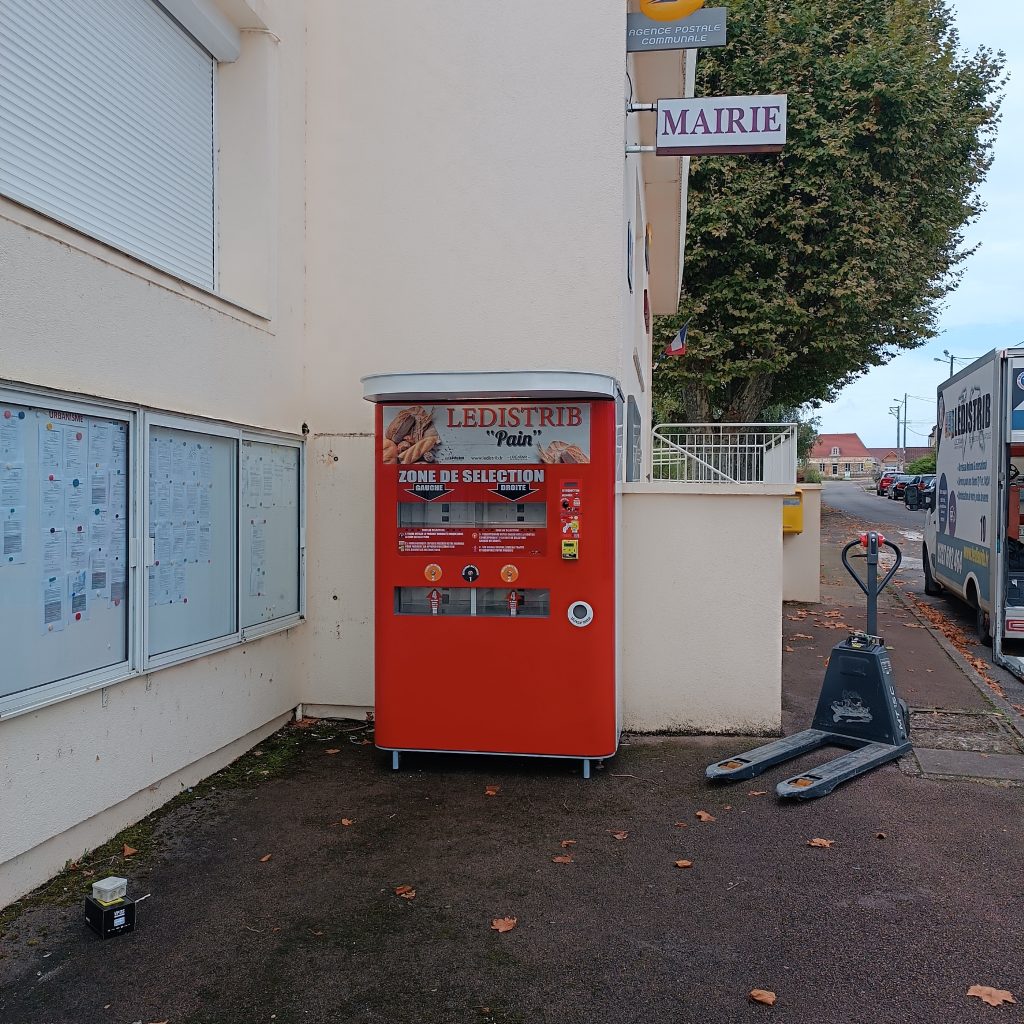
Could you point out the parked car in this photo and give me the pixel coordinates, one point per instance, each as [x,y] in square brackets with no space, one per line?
[885,481]
[916,496]
[900,485]
[892,483]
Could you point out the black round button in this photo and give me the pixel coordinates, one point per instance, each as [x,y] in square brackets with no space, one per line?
[580,611]
[470,573]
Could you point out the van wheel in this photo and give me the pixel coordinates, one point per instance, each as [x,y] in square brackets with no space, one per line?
[931,588]
[982,624]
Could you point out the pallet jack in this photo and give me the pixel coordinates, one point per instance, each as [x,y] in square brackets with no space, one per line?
[858,707]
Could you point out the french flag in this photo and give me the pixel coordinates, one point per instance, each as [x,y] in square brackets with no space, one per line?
[677,346]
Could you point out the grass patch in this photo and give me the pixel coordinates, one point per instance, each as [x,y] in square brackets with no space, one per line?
[268,759]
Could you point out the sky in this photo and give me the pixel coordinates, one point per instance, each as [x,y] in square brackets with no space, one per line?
[987,310]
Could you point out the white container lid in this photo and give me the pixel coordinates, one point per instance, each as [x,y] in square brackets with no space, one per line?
[108,889]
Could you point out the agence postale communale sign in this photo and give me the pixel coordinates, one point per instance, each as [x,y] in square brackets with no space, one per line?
[704,125]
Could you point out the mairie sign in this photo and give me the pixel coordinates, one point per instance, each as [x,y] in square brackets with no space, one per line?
[649,35]
[721,124]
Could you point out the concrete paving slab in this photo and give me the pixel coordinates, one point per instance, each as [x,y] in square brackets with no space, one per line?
[971,764]
[960,730]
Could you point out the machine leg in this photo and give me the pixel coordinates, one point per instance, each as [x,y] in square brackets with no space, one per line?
[394,760]
[586,767]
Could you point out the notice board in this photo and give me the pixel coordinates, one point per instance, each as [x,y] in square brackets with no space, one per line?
[64,492]
[192,528]
[269,547]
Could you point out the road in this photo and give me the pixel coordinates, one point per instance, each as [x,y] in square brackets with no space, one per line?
[906,528]
[850,497]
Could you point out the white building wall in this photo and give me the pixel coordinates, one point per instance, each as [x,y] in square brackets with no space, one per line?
[465,166]
[81,317]
[702,595]
[801,552]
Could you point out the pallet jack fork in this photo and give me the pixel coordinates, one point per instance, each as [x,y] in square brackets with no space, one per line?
[858,707]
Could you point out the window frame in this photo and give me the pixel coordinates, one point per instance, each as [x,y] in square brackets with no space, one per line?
[138,663]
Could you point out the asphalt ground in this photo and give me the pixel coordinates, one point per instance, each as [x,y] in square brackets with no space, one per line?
[918,898]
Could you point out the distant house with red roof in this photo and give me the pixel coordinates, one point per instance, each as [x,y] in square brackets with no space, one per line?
[842,455]
[899,456]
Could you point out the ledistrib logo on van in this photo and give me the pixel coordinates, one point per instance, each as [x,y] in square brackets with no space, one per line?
[970,420]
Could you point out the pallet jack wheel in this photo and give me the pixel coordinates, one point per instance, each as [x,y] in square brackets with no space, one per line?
[905,712]
[931,588]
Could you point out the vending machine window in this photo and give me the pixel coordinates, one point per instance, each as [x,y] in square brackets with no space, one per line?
[495,562]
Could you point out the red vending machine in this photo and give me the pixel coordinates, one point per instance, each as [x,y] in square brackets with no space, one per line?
[496,593]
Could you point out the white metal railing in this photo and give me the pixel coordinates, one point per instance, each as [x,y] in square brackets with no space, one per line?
[724,453]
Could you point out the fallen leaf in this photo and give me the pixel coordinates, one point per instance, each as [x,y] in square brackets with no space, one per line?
[618,835]
[726,807]
[880,835]
[407,892]
[801,636]
[762,995]
[333,750]
[704,816]
[992,996]
[566,843]
[128,851]
[823,844]
[492,790]
[504,924]
[684,863]
[758,792]
[563,858]
[348,821]
[265,858]
[788,649]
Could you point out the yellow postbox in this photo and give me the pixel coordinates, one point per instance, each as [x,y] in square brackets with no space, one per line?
[793,512]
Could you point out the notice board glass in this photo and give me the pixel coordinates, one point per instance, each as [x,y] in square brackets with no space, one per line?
[191,565]
[64,520]
[269,550]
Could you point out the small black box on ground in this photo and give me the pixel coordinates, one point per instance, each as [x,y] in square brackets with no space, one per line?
[107,919]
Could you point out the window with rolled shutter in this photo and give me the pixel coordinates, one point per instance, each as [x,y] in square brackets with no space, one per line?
[107,125]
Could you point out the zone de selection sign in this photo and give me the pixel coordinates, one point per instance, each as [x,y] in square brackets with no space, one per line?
[705,28]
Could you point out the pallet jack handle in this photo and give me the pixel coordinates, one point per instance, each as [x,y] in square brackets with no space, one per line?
[871,542]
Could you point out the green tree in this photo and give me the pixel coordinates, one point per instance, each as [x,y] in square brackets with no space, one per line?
[925,464]
[806,268]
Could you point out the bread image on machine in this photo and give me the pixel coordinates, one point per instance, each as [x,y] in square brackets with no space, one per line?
[410,436]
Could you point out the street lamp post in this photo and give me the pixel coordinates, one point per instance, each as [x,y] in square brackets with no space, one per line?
[894,410]
[952,359]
